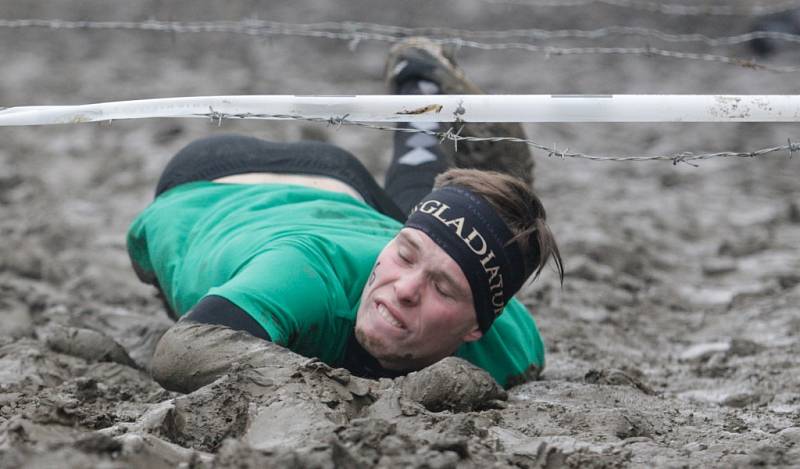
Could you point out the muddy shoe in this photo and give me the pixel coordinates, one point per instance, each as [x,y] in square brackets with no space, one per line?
[506,157]
[420,59]
[420,65]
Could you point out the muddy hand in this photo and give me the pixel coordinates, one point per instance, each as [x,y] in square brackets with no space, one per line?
[453,384]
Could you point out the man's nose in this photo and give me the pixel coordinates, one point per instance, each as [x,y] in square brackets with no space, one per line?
[408,287]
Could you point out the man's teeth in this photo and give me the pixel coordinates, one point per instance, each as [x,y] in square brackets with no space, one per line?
[386,315]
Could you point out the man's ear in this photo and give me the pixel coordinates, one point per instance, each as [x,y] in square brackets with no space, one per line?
[473,335]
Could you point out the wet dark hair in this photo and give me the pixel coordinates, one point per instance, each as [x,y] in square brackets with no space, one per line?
[520,209]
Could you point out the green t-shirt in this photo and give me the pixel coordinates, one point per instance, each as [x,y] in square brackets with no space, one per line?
[296,260]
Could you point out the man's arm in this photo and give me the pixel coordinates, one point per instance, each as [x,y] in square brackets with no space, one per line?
[206,342]
[191,355]
[278,300]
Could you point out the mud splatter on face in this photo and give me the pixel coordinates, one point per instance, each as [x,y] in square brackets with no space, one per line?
[372,275]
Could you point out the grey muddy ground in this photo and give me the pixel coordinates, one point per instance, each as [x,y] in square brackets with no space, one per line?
[673,342]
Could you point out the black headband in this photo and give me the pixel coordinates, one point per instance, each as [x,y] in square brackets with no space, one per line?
[473,234]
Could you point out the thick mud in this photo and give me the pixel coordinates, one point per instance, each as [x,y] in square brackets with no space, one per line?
[673,342]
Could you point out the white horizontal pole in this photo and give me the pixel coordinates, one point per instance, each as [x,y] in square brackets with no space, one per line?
[431,108]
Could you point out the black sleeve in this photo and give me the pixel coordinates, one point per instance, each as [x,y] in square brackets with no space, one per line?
[214,309]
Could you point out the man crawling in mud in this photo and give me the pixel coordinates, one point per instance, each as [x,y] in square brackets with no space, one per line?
[252,242]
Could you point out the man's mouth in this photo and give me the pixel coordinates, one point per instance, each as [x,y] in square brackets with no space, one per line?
[384,312]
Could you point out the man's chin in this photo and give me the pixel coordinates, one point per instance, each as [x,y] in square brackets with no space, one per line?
[379,349]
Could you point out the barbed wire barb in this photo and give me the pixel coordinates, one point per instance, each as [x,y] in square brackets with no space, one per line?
[337,121]
[683,157]
[213,114]
[454,136]
[553,151]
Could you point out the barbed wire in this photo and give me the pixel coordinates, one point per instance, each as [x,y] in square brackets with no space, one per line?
[676,9]
[453,134]
[354,38]
[541,34]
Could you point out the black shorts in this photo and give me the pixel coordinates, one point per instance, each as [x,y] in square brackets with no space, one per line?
[225,155]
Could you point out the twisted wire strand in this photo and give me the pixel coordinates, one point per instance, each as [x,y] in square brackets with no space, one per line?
[454,135]
[676,9]
[540,34]
[255,28]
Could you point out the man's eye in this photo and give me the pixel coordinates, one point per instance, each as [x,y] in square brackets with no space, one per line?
[403,257]
[442,291]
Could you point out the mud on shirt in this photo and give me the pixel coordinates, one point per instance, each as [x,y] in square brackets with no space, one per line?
[296,260]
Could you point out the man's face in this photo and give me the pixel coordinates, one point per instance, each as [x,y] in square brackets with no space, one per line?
[416,307]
